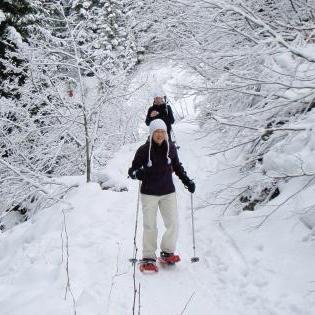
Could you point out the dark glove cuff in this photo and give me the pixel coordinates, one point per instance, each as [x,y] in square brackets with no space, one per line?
[189,184]
[185,180]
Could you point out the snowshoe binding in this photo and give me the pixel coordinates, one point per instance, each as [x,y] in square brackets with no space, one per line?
[148,265]
[168,258]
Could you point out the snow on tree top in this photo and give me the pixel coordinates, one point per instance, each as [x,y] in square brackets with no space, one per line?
[86,4]
[14,36]
[2,16]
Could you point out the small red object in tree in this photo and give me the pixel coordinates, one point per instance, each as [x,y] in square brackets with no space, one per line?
[71,87]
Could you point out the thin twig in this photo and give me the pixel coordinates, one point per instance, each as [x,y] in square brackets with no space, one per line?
[284,202]
[139,300]
[135,250]
[117,274]
[233,147]
[68,285]
[189,300]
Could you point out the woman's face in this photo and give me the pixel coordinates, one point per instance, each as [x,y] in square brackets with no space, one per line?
[158,100]
[159,136]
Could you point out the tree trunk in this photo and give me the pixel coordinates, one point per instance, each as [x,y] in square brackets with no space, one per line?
[87,150]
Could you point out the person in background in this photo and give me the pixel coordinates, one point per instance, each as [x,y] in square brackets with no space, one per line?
[160,110]
[153,164]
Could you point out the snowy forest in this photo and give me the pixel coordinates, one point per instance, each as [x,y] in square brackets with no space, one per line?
[76,80]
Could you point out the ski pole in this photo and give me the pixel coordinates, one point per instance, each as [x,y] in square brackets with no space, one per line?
[195,258]
[174,137]
[172,131]
[133,260]
[166,103]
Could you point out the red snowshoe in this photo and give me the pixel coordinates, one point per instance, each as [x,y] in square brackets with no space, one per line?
[148,265]
[168,258]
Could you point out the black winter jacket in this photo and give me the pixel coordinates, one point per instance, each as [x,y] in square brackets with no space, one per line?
[165,113]
[158,179]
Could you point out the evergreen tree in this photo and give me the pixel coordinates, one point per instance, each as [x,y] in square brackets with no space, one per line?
[106,30]
[15,17]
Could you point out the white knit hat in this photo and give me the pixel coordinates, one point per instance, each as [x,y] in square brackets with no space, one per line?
[157,90]
[157,124]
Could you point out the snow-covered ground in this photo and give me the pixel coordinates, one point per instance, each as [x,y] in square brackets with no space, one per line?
[241,271]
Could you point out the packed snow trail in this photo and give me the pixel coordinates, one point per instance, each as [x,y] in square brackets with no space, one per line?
[239,273]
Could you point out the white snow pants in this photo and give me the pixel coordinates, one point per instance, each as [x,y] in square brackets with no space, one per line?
[168,209]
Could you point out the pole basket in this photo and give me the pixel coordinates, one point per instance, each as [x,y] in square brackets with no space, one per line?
[133,260]
[194,259]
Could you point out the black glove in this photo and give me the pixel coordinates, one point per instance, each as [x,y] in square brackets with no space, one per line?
[131,173]
[189,184]
[137,174]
